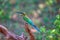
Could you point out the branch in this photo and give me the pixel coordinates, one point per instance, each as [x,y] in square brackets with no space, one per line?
[29,32]
[11,36]
[58,1]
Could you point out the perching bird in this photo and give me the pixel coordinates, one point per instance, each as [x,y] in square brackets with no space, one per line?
[28,20]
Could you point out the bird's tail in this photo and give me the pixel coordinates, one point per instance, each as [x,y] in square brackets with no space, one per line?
[35,27]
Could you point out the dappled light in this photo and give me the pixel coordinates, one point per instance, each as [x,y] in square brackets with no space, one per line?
[31,19]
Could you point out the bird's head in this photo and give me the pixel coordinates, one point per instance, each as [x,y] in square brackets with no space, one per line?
[21,13]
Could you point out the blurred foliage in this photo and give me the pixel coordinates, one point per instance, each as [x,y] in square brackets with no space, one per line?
[47,10]
[57,24]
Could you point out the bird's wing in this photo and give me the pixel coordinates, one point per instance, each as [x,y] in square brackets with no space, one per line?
[28,20]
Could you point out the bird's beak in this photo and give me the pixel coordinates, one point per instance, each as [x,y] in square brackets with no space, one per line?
[20,13]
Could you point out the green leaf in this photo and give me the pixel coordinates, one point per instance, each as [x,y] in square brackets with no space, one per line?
[43,29]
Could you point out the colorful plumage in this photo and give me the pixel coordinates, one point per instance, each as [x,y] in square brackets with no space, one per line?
[28,20]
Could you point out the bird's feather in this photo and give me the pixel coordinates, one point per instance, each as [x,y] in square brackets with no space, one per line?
[29,21]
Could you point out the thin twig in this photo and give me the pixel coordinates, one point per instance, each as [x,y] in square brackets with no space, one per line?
[29,32]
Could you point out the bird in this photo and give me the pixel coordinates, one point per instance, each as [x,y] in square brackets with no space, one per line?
[28,20]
